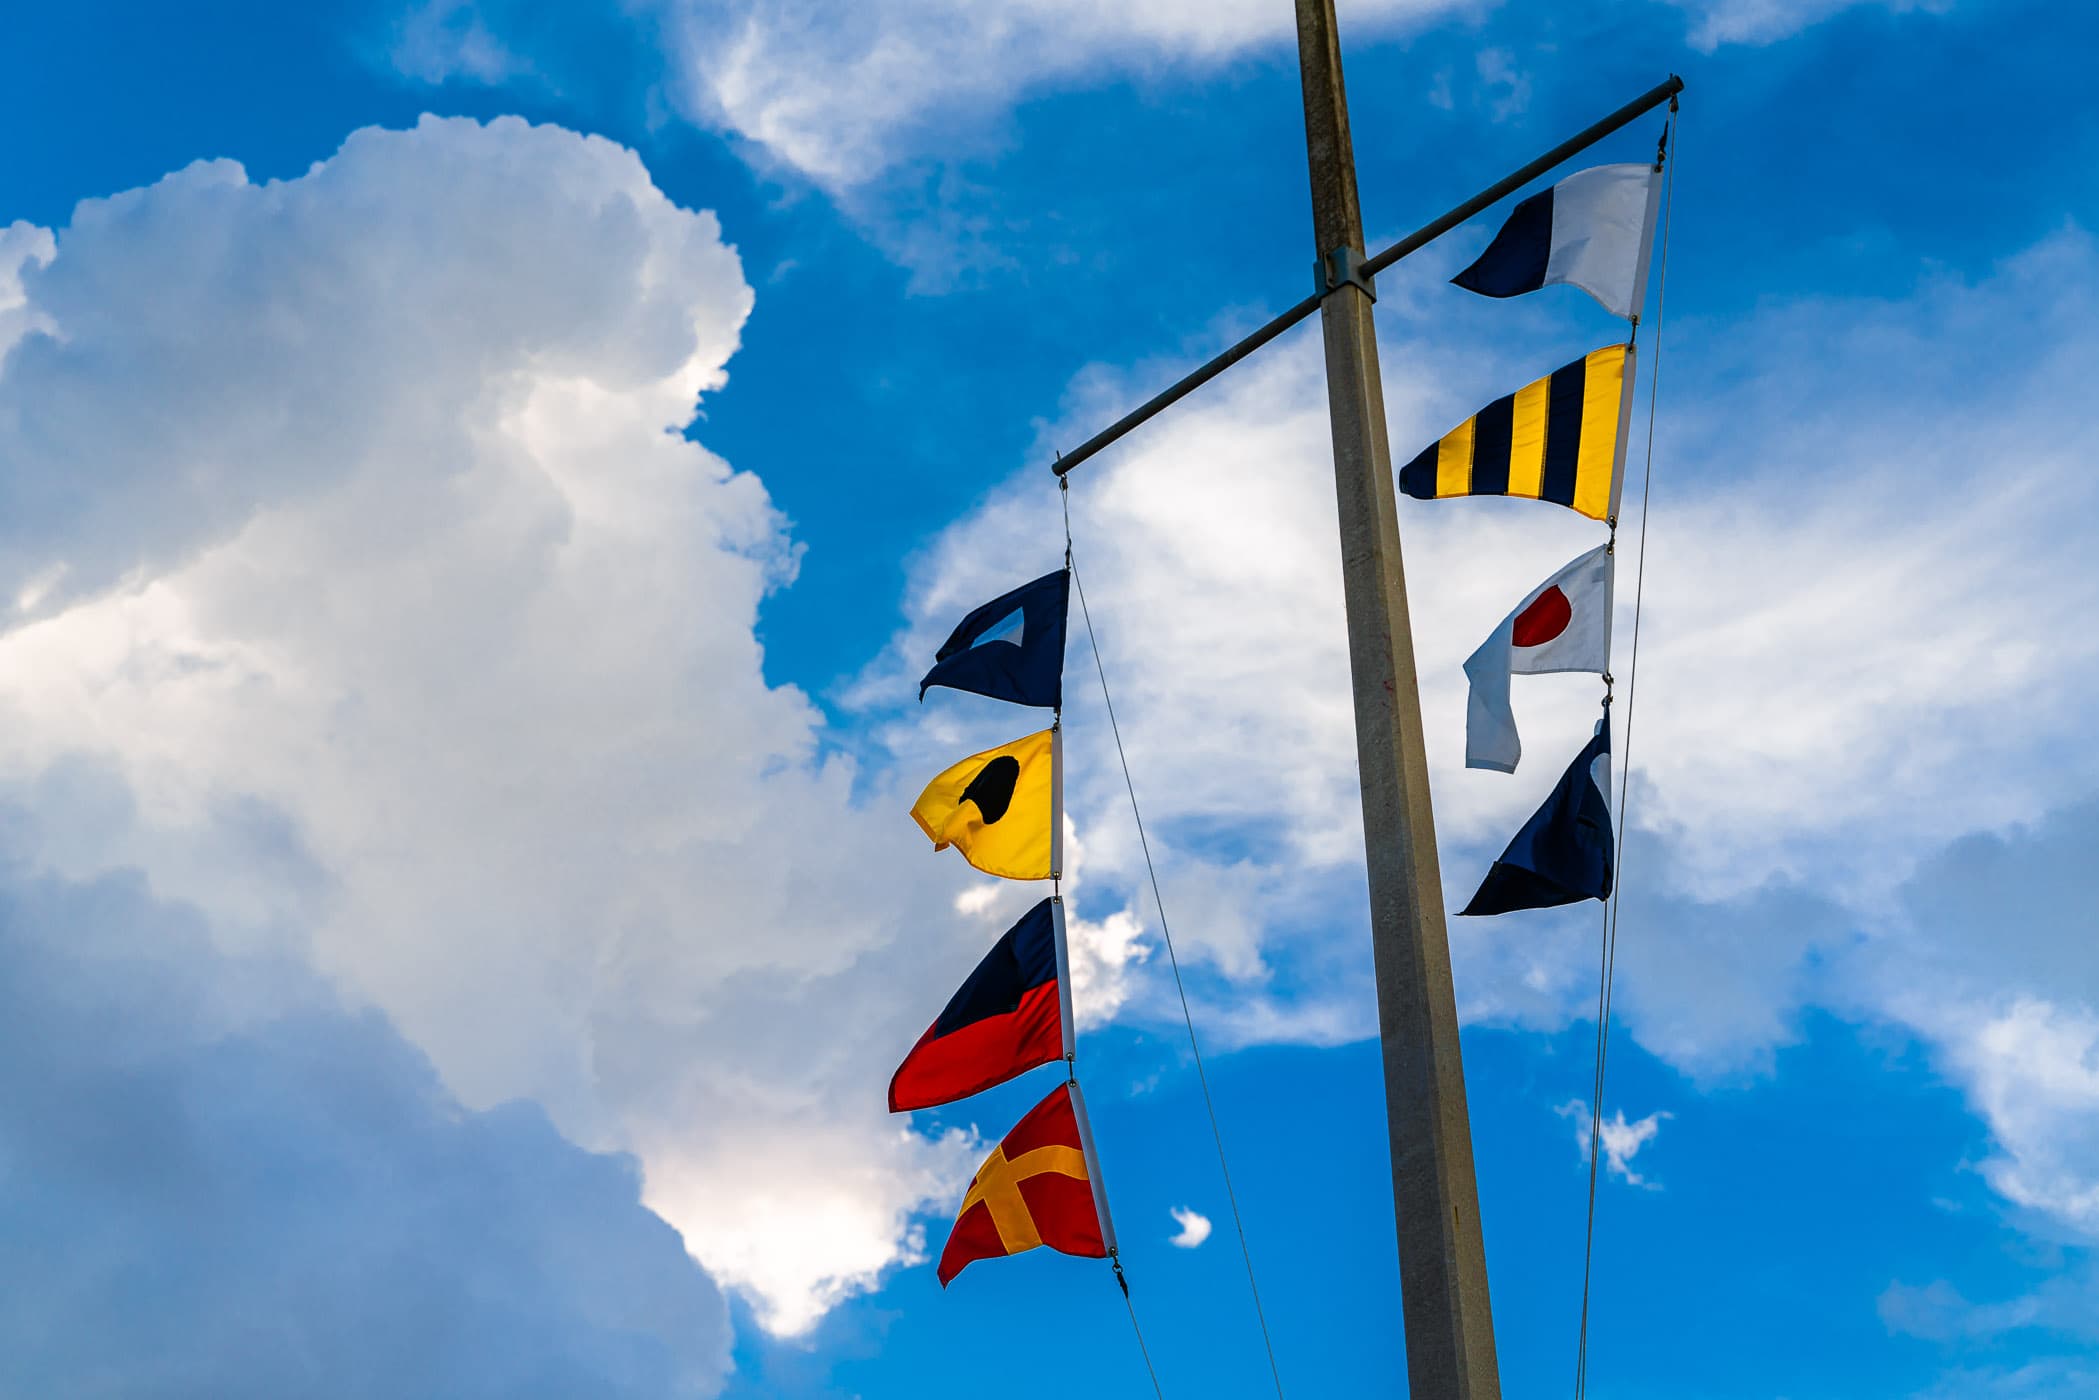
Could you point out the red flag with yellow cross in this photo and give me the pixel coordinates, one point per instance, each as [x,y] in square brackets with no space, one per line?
[1040,1186]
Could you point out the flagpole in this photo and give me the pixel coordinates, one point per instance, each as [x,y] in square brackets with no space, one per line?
[1093,1173]
[1057,800]
[1443,1270]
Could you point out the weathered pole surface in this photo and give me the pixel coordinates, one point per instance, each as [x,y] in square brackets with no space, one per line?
[1442,1263]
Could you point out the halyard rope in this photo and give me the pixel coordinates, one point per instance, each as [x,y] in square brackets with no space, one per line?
[1142,1350]
[1166,935]
[1606,972]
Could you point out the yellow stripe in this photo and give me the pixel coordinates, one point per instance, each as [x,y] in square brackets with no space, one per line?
[1527,439]
[997,1185]
[1454,462]
[1603,386]
[1058,1158]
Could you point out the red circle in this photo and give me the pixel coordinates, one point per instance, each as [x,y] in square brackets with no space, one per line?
[1546,617]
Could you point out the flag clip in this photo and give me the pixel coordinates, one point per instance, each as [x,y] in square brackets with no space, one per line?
[1344,265]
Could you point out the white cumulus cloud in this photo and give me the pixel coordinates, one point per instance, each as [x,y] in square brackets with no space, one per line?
[1619,1141]
[2034,1069]
[841,94]
[359,563]
[1992,962]
[1717,22]
[220,1181]
[838,93]
[1195,1227]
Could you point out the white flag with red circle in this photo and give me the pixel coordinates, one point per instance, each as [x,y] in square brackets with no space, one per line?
[1564,625]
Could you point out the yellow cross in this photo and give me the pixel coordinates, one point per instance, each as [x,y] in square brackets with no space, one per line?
[997,1185]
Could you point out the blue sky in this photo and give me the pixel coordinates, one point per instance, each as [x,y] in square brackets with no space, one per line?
[456,722]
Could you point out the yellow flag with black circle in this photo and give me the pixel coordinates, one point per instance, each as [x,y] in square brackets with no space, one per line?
[997,808]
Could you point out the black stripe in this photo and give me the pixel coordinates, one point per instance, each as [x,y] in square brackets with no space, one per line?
[1515,261]
[1563,432]
[1418,477]
[1492,427]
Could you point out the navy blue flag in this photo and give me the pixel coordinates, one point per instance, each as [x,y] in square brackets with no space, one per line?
[1563,853]
[1012,648]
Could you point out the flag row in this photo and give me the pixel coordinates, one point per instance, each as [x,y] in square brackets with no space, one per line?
[1560,439]
[1002,810]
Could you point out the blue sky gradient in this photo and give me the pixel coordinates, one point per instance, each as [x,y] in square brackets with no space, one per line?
[1860,1000]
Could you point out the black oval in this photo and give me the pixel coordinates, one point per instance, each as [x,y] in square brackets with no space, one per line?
[992,788]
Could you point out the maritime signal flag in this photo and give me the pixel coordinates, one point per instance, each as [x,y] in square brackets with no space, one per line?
[996,808]
[1006,1019]
[1592,230]
[1012,648]
[1559,439]
[1563,853]
[1564,624]
[1036,1188]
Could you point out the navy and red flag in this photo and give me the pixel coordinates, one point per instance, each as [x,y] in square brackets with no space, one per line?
[1007,1018]
[1012,648]
[1038,1187]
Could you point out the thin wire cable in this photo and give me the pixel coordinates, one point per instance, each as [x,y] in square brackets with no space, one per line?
[1603,978]
[1187,1017]
[1607,973]
[1142,1350]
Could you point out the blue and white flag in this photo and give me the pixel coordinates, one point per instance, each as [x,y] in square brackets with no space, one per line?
[1012,648]
[1592,230]
[1563,853]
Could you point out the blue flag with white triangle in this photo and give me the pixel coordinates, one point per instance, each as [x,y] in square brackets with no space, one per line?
[1012,648]
[1563,853]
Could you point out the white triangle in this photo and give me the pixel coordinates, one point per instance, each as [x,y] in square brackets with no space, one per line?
[1008,629]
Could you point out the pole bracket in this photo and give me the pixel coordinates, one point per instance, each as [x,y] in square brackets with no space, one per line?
[1341,267]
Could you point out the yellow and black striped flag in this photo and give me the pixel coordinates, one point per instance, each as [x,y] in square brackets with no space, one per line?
[1561,439]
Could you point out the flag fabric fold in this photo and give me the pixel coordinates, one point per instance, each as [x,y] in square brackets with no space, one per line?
[997,808]
[1564,624]
[1038,1187]
[1011,648]
[1563,853]
[1007,1018]
[1593,230]
[1558,439]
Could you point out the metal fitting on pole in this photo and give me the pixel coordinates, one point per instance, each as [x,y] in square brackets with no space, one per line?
[1340,268]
